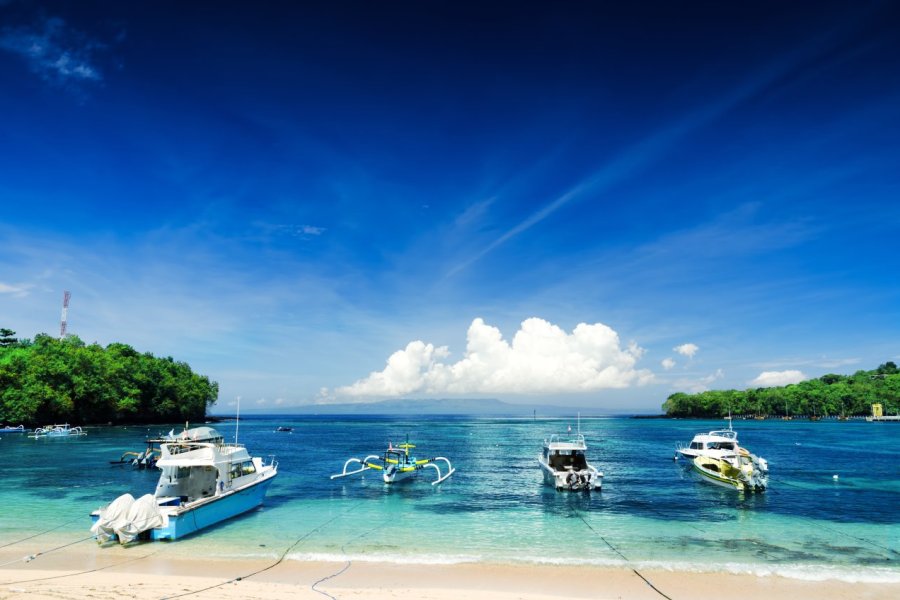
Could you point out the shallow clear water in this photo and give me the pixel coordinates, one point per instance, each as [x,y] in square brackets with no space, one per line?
[651,512]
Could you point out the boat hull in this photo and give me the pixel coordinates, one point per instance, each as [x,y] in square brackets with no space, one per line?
[180,521]
[210,512]
[586,479]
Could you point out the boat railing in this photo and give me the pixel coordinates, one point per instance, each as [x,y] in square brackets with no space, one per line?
[576,439]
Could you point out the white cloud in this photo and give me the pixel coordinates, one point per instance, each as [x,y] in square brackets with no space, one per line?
[695,386]
[542,358]
[18,291]
[311,230]
[776,378]
[54,50]
[686,350]
[667,363]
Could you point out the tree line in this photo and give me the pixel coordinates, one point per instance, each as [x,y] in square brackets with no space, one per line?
[48,380]
[829,395]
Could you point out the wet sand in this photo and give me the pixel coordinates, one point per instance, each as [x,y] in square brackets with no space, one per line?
[146,572]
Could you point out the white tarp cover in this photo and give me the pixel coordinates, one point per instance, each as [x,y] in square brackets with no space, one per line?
[111,517]
[143,515]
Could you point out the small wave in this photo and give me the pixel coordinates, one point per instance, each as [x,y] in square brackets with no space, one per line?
[810,572]
[417,559]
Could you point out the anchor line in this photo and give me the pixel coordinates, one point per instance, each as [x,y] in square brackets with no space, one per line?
[274,564]
[346,566]
[33,556]
[838,531]
[41,533]
[625,558]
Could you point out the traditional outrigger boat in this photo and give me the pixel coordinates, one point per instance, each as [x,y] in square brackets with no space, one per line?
[56,431]
[11,429]
[204,481]
[397,464]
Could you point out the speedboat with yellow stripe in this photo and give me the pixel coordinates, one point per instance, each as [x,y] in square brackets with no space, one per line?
[398,464]
[742,471]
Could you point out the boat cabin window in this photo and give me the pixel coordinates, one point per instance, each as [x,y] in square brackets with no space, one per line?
[721,446]
[241,469]
[563,459]
[696,446]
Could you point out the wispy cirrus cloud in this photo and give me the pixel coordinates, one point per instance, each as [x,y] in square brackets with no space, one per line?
[55,51]
[18,290]
[659,143]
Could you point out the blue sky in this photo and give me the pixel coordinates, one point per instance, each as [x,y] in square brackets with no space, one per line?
[587,204]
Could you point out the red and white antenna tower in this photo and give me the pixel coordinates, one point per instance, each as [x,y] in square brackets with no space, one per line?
[65,310]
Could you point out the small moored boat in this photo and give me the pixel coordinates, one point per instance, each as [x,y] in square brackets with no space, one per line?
[741,471]
[53,431]
[565,464]
[397,464]
[203,481]
[11,429]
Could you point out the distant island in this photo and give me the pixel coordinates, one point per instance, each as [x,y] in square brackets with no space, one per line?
[477,407]
[829,395]
[48,380]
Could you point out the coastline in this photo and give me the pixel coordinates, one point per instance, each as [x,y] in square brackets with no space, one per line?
[145,571]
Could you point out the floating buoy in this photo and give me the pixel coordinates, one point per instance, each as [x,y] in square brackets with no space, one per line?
[835,477]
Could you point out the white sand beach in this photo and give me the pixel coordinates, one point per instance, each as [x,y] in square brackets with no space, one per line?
[146,572]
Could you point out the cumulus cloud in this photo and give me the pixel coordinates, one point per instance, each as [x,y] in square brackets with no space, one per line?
[54,51]
[542,358]
[776,378]
[695,386]
[667,363]
[686,350]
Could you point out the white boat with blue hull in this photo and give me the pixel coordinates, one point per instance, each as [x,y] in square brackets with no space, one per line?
[204,481]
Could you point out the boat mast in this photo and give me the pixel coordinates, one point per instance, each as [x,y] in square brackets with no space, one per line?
[237,422]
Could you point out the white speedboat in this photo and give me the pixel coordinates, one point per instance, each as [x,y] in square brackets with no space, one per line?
[715,444]
[719,458]
[565,464]
[397,464]
[741,471]
[56,431]
[204,481]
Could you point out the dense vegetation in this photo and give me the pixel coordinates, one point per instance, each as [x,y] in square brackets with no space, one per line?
[48,380]
[828,395]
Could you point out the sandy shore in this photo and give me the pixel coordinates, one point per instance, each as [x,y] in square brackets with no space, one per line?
[145,572]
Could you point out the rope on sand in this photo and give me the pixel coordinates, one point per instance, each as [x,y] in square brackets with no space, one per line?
[345,567]
[272,566]
[625,558]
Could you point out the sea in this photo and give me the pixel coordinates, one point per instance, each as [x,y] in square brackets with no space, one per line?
[832,510]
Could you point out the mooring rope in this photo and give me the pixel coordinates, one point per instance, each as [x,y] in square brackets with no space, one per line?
[625,558]
[831,529]
[41,533]
[349,562]
[271,566]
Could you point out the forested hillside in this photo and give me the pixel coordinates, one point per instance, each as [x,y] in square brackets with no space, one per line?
[833,395]
[48,380]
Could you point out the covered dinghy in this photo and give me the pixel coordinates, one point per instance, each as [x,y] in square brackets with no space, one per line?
[143,515]
[112,517]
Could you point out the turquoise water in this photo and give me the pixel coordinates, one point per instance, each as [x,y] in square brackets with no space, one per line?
[495,508]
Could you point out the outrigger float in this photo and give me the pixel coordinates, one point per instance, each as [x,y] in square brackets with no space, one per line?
[56,431]
[396,464]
